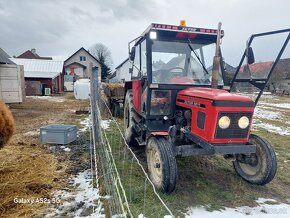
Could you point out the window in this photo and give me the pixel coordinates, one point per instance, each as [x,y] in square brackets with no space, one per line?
[82,58]
[136,66]
[182,63]
[143,58]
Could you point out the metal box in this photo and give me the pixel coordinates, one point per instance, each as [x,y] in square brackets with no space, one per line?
[58,134]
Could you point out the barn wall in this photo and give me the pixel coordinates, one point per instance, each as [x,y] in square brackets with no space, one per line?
[12,86]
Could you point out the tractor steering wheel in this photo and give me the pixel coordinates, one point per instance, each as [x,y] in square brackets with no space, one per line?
[177,68]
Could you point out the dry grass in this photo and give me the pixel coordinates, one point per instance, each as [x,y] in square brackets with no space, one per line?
[25,173]
[28,169]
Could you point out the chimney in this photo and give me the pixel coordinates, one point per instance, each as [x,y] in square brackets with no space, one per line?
[33,50]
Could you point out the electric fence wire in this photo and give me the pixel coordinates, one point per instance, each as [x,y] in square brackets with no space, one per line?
[137,160]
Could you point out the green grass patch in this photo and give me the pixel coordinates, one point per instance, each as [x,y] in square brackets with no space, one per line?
[209,181]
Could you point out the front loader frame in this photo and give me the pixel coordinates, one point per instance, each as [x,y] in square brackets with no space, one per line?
[260,83]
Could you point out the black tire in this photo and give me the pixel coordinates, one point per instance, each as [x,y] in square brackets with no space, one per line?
[264,167]
[129,132]
[116,111]
[161,164]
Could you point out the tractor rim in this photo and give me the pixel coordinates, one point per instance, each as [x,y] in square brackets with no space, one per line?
[155,166]
[252,169]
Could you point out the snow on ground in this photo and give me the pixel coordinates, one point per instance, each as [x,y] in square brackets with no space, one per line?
[281,105]
[272,128]
[265,111]
[263,210]
[86,123]
[266,114]
[48,98]
[105,124]
[81,201]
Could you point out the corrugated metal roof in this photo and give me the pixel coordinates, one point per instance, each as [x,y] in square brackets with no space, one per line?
[4,57]
[37,74]
[39,68]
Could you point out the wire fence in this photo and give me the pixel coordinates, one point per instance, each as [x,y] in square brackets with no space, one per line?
[121,170]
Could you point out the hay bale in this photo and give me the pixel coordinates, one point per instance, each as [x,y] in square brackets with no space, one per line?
[113,89]
[7,125]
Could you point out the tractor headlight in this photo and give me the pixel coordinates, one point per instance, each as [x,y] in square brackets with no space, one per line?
[224,122]
[244,122]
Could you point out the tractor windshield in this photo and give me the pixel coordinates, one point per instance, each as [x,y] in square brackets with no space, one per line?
[182,63]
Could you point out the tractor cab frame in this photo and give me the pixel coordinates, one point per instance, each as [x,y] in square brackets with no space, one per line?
[155,84]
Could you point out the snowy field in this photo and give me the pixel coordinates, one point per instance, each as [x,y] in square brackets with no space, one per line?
[271,210]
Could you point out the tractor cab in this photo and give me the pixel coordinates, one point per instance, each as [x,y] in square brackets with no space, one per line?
[166,59]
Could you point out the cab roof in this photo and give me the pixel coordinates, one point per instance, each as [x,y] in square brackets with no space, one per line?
[181,29]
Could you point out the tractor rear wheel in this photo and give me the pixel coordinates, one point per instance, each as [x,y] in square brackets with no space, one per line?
[258,168]
[116,109]
[129,120]
[161,164]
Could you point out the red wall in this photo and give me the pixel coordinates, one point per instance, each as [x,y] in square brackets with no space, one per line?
[56,84]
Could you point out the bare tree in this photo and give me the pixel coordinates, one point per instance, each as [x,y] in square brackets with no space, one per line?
[104,56]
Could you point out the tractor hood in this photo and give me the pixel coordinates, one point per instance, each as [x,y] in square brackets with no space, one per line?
[214,94]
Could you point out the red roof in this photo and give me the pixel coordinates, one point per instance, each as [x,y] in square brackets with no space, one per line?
[259,67]
[30,55]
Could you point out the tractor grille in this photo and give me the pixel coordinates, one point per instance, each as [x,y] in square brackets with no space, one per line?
[233,131]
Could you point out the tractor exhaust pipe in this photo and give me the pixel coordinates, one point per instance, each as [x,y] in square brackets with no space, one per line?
[216,60]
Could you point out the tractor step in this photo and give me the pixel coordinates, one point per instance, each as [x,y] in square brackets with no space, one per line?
[137,119]
[140,141]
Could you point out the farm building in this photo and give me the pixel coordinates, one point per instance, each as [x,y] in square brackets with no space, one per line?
[31,54]
[121,73]
[41,76]
[76,67]
[12,87]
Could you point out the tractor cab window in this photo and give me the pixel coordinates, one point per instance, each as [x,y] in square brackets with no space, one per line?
[182,63]
[143,59]
[136,63]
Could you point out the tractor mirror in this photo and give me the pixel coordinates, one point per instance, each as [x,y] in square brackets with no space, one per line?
[250,55]
[132,54]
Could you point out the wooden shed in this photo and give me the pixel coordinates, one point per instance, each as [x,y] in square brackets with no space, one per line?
[12,86]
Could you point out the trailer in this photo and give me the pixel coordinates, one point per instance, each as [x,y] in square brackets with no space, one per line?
[115,93]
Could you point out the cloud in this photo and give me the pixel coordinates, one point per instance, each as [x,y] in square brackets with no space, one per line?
[60,27]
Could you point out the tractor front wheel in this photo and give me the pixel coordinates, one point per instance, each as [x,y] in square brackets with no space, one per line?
[258,168]
[161,164]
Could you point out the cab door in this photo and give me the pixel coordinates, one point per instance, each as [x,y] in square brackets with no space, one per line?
[136,79]
[263,64]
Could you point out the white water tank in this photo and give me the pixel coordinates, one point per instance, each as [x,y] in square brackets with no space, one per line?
[82,89]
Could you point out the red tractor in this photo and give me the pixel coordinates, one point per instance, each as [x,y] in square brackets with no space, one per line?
[177,104]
